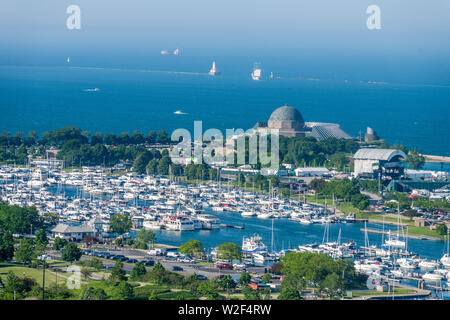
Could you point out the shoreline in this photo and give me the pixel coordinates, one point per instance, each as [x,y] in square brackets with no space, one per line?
[436,159]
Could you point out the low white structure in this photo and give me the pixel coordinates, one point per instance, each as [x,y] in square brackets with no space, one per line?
[72,233]
[312,172]
[426,174]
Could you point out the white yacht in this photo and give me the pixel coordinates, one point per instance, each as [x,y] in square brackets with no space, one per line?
[428,264]
[177,223]
[265,215]
[248,213]
[445,260]
[151,225]
[256,74]
[432,277]
[253,244]
[209,222]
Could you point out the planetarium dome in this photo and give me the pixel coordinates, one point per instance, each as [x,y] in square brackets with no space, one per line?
[286,117]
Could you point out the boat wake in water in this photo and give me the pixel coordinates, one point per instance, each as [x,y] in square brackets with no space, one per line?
[91,90]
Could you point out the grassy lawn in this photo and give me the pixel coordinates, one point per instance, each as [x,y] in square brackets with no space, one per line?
[412,229]
[366,293]
[36,274]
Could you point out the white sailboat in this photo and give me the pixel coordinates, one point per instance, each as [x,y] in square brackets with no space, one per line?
[176,51]
[68,60]
[256,74]
[213,71]
[445,260]
[396,242]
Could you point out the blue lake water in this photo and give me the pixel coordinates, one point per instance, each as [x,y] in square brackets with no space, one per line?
[46,98]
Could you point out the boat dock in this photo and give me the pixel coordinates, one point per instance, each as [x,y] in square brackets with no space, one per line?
[231,226]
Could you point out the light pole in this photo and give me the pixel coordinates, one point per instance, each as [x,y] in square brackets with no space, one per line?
[43,258]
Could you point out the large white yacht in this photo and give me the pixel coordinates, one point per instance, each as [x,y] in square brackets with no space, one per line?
[253,244]
[172,222]
[209,222]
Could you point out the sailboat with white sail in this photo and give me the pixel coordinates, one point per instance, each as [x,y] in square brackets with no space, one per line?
[395,242]
[213,71]
[445,260]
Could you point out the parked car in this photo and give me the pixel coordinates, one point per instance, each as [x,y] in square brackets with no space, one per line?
[201,277]
[177,268]
[149,263]
[132,261]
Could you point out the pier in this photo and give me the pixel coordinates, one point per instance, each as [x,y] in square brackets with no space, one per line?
[231,226]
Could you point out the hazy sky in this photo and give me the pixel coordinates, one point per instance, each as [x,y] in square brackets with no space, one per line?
[32,30]
[230,16]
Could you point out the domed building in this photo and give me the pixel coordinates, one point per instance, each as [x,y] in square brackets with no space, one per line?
[288,121]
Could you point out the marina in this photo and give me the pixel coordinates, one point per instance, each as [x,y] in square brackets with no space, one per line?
[266,226]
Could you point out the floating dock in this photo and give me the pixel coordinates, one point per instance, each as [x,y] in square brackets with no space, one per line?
[231,226]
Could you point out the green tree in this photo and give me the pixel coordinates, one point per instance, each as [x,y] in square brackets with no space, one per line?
[410,213]
[267,278]
[163,165]
[360,201]
[415,160]
[41,239]
[6,246]
[59,243]
[209,289]
[120,223]
[19,219]
[163,137]
[151,137]
[96,264]
[332,284]
[441,229]
[141,161]
[71,252]
[26,251]
[229,251]
[191,248]
[85,272]
[288,293]
[138,271]
[250,293]
[91,293]
[158,273]
[227,282]
[14,284]
[146,236]
[152,167]
[118,274]
[245,278]
[124,291]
